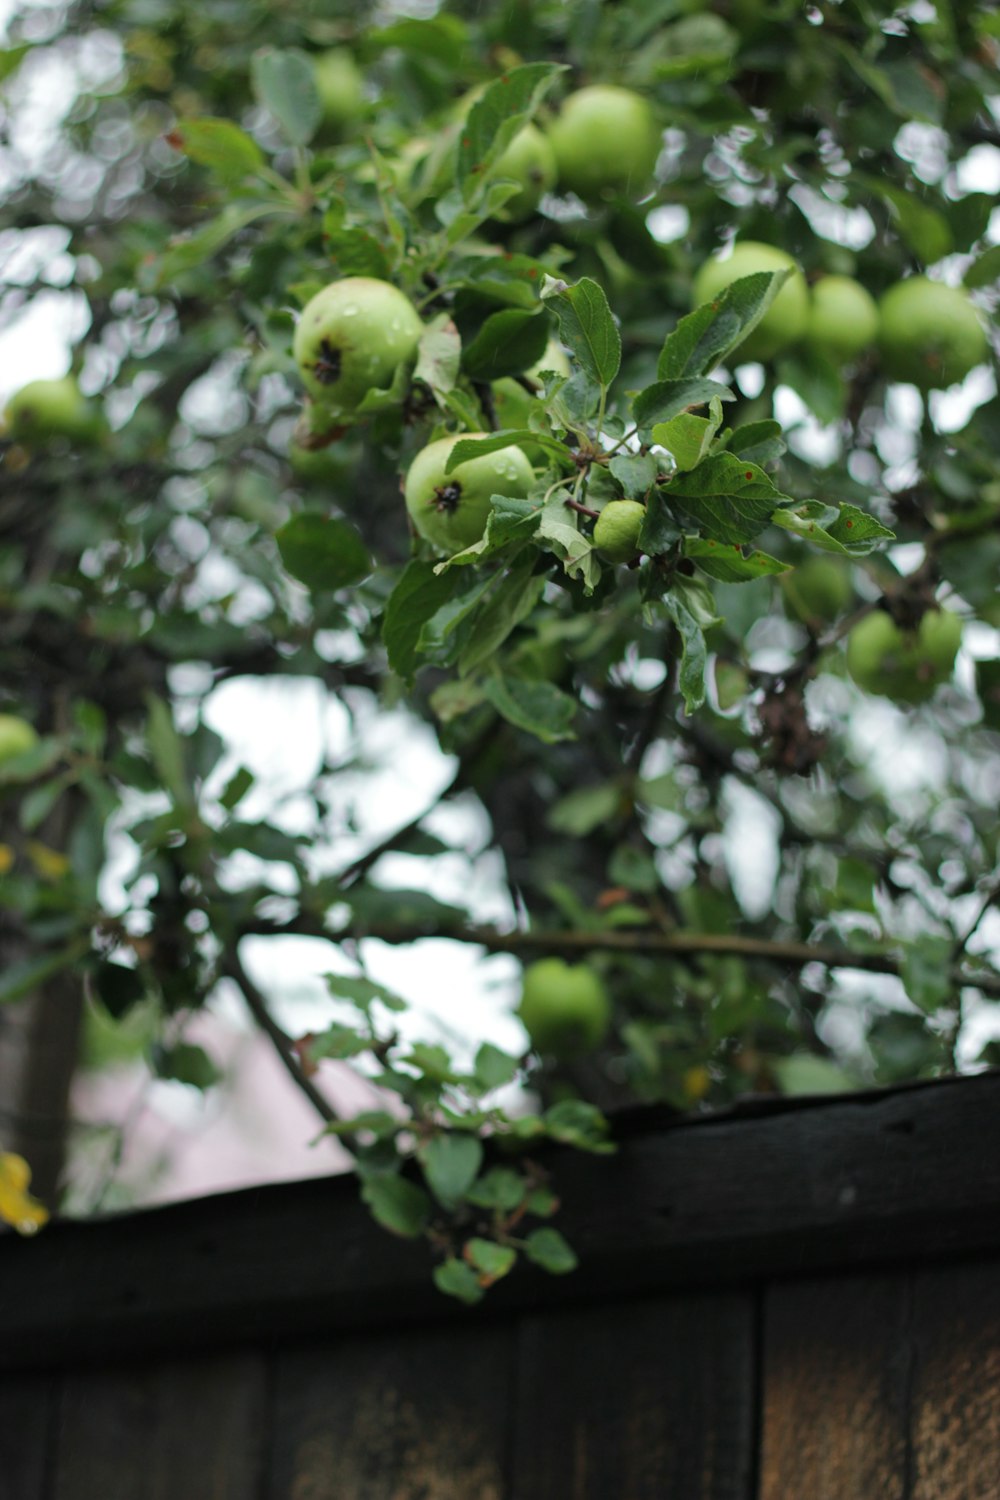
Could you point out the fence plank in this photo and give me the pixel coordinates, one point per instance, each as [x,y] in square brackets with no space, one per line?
[956,1386]
[25,1416]
[159,1432]
[418,1415]
[836,1376]
[637,1400]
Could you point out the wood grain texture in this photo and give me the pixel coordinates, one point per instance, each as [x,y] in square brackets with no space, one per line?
[26,1411]
[416,1415]
[837,1367]
[864,1180]
[176,1431]
[956,1385]
[637,1401]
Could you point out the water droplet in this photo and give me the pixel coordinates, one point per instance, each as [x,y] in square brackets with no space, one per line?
[350,312]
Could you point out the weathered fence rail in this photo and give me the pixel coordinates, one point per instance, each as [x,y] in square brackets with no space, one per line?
[787,1301]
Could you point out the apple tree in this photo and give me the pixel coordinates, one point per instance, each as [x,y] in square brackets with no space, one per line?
[412,356]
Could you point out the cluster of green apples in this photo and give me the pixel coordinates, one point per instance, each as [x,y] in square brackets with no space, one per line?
[926,333]
[905,665]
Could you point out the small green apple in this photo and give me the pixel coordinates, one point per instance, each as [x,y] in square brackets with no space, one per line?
[819,588]
[616,530]
[606,141]
[16,736]
[843,318]
[930,334]
[451,510]
[904,665]
[530,161]
[340,87]
[564,1007]
[51,408]
[352,338]
[785,320]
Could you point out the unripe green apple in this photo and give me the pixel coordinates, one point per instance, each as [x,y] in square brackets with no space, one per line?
[352,338]
[530,161]
[451,510]
[616,530]
[785,320]
[930,334]
[513,404]
[904,665]
[843,318]
[564,1007]
[50,408]
[340,87]
[16,736]
[606,142]
[818,589]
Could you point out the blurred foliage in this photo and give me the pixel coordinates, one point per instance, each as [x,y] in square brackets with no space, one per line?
[619,724]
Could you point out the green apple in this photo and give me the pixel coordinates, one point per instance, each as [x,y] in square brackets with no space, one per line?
[616,530]
[785,320]
[606,141]
[564,1007]
[352,338]
[818,588]
[451,510]
[930,334]
[16,736]
[904,665]
[530,161]
[340,87]
[50,408]
[843,319]
[513,404]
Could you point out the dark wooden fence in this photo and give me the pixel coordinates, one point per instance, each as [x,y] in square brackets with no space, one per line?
[785,1303]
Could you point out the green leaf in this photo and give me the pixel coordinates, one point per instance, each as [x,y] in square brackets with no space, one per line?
[924,229]
[507,604]
[451,1165]
[732,499]
[456,1278]
[509,342]
[354,251]
[167,751]
[284,83]
[548,1249]
[586,326]
[761,441]
[857,532]
[236,788]
[186,1063]
[704,337]
[635,472]
[666,398]
[189,252]
[804,1073]
[338,1042]
[686,438]
[728,564]
[586,808]
[985,269]
[489,1258]
[439,355]
[677,603]
[926,973]
[362,992]
[494,120]
[576,1123]
[219,145]
[416,599]
[398,1205]
[498,1188]
[533,705]
[376,1122]
[323,553]
[493,1068]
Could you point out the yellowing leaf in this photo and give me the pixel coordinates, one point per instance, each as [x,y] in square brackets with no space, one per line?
[6,858]
[49,863]
[17,1207]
